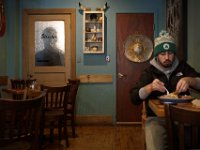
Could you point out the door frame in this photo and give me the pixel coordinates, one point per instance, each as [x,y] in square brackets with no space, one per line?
[25,38]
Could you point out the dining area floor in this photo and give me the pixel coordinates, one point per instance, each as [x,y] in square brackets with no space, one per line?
[102,137]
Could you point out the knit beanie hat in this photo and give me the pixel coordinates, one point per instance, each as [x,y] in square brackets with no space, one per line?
[164,42]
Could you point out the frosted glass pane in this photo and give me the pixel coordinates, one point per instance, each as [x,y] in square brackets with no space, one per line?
[49,43]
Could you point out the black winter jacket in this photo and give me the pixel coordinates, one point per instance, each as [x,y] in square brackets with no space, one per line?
[151,73]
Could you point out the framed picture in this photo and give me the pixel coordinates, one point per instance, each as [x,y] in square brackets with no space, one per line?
[177,25]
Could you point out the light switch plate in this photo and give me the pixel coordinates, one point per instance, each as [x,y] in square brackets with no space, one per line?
[107,58]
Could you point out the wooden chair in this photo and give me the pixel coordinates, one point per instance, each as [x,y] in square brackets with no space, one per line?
[144,117]
[55,110]
[144,113]
[71,104]
[21,84]
[19,123]
[182,127]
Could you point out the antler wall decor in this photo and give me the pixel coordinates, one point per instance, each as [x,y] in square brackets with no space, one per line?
[104,8]
[83,8]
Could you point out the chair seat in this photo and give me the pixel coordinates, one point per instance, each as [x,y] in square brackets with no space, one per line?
[52,113]
[54,116]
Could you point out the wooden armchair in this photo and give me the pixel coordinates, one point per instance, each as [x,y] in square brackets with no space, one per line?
[19,123]
[183,127]
[55,110]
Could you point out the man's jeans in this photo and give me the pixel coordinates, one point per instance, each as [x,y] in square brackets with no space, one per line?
[155,134]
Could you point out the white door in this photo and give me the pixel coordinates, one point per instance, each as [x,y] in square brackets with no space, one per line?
[49,45]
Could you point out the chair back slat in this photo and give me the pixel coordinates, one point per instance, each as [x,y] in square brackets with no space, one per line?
[55,96]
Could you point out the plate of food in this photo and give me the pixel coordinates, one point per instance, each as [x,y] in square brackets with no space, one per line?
[175,98]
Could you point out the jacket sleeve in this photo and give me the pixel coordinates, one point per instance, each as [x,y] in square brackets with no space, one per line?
[145,78]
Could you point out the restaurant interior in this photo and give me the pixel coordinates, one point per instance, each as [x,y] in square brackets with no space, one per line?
[96,69]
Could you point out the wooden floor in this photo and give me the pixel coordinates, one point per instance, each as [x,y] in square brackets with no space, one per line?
[121,137]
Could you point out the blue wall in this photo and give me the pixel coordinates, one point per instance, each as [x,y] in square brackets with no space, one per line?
[93,99]
[193,33]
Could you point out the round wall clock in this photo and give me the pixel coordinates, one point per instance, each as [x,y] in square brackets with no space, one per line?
[2,18]
[138,48]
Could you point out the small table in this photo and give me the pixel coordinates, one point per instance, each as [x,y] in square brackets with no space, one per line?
[22,92]
[159,108]
[13,91]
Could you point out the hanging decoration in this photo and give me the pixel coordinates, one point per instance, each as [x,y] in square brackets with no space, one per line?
[83,8]
[138,48]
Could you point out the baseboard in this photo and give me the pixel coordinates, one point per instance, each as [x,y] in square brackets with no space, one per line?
[128,123]
[94,120]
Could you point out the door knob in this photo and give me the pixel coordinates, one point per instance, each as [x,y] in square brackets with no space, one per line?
[120,75]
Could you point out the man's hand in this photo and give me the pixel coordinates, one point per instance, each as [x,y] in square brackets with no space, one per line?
[184,84]
[158,85]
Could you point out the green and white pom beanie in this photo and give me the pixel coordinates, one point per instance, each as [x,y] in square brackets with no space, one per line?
[164,42]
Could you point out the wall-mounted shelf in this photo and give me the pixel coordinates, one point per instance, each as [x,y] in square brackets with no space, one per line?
[93,32]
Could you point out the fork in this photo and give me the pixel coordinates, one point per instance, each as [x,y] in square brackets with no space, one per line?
[166,90]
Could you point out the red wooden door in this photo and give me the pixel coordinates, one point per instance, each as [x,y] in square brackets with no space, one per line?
[128,71]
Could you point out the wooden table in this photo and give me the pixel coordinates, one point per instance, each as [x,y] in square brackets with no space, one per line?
[13,91]
[158,108]
[22,92]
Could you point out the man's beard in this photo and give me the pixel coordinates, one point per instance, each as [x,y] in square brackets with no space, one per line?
[166,63]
